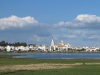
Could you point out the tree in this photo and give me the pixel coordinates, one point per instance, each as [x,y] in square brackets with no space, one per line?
[23,44]
[56,48]
[34,45]
[52,48]
[2,43]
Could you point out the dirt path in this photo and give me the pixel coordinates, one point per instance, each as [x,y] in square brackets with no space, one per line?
[37,66]
[92,63]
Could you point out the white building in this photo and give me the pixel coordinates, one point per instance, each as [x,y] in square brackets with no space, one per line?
[91,49]
[8,48]
[60,46]
[43,47]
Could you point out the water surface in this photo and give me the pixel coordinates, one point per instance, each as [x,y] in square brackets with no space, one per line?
[55,55]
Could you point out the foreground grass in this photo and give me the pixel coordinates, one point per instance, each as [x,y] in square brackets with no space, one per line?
[16,61]
[84,69]
[78,70]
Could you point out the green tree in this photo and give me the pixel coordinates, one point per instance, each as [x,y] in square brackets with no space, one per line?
[52,48]
[34,45]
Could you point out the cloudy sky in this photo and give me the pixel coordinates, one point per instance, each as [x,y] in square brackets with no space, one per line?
[77,22]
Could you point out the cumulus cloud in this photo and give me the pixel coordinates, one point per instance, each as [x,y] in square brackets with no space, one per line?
[14,21]
[87,18]
[81,21]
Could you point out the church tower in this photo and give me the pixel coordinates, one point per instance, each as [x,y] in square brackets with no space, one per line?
[52,42]
[52,47]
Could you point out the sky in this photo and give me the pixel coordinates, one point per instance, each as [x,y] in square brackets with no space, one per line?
[76,22]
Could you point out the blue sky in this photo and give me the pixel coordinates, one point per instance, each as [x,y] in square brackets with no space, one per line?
[77,22]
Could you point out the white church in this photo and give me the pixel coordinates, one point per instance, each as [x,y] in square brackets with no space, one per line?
[59,46]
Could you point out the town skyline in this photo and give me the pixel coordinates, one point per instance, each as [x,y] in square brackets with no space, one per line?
[62,47]
[37,21]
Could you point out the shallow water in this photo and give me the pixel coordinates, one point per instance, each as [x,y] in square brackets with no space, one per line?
[55,55]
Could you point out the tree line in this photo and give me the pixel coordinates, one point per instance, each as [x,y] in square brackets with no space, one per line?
[3,43]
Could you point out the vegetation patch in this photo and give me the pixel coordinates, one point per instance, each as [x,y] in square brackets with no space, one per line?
[10,66]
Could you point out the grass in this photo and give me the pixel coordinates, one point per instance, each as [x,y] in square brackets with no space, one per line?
[16,61]
[78,70]
[84,69]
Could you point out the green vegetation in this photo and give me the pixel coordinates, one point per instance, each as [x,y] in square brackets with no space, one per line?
[16,61]
[3,43]
[84,69]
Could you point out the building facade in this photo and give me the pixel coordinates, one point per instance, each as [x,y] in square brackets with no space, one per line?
[59,46]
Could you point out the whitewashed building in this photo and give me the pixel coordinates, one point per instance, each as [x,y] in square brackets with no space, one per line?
[60,46]
[8,48]
[91,49]
[43,48]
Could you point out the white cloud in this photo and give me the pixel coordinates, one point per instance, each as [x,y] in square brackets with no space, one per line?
[82,20]
[87,18]
[14,21]
[61,23]
[77,32]
[94,37]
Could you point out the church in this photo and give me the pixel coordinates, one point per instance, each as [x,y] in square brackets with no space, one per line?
[59,46]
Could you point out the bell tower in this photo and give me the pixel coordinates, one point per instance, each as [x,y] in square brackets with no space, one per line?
[52,42]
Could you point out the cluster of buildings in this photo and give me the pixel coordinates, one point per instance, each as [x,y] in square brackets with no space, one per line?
[59,47]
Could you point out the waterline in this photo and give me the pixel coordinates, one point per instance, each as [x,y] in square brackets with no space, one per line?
[59,55]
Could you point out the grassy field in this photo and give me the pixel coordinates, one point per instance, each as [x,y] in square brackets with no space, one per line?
[79,70]
[50,67]
[16,61]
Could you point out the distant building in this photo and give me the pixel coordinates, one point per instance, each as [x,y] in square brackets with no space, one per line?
[59,46]
[8,48]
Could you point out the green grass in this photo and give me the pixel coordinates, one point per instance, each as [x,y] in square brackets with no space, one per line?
[76,70]
[12,61]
